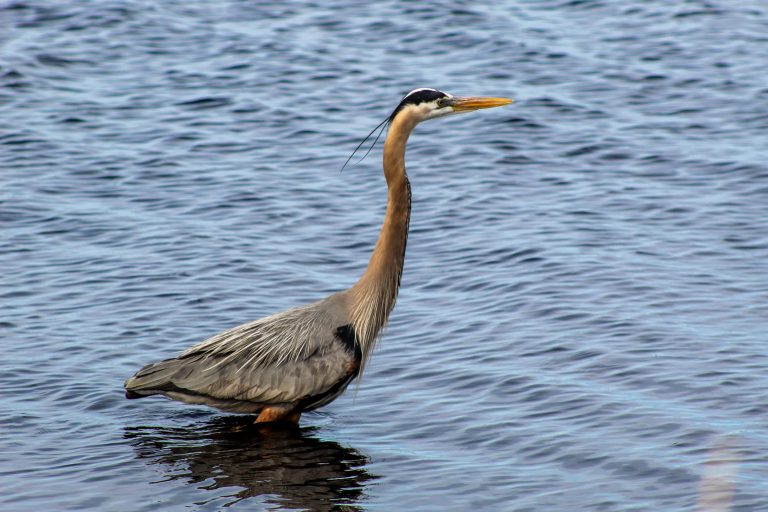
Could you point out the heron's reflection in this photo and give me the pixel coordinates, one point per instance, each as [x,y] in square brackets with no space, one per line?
[292,467]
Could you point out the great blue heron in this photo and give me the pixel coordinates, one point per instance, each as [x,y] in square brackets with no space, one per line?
[305,357]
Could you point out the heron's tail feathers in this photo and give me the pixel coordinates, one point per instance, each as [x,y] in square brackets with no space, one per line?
[153,379]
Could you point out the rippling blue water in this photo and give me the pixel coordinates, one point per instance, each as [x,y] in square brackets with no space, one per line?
[584,312]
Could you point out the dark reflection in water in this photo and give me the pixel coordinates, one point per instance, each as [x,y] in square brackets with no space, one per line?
[289,467]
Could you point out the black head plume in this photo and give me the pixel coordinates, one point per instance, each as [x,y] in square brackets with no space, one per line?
[383,125]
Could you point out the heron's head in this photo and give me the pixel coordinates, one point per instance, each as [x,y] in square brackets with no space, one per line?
[422,104]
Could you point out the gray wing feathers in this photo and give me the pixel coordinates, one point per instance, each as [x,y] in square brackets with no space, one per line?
[279,358]
[287,382]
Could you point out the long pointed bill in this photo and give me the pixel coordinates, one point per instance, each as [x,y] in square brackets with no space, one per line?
[476,103]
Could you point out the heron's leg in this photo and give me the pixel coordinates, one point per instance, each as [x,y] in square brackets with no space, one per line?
[282,412]
[293,417]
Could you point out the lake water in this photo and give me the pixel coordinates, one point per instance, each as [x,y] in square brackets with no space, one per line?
[584,312]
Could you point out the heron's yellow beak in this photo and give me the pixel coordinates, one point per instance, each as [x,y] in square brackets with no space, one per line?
[476,103]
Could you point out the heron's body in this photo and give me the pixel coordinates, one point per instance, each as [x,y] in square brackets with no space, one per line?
[303,358]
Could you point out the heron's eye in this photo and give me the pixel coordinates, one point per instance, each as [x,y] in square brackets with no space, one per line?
[441,103]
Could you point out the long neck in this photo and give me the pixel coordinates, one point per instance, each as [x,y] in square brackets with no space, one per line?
[374,295]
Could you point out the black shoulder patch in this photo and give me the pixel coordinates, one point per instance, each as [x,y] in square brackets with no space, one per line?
[418,96]
[347,335]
